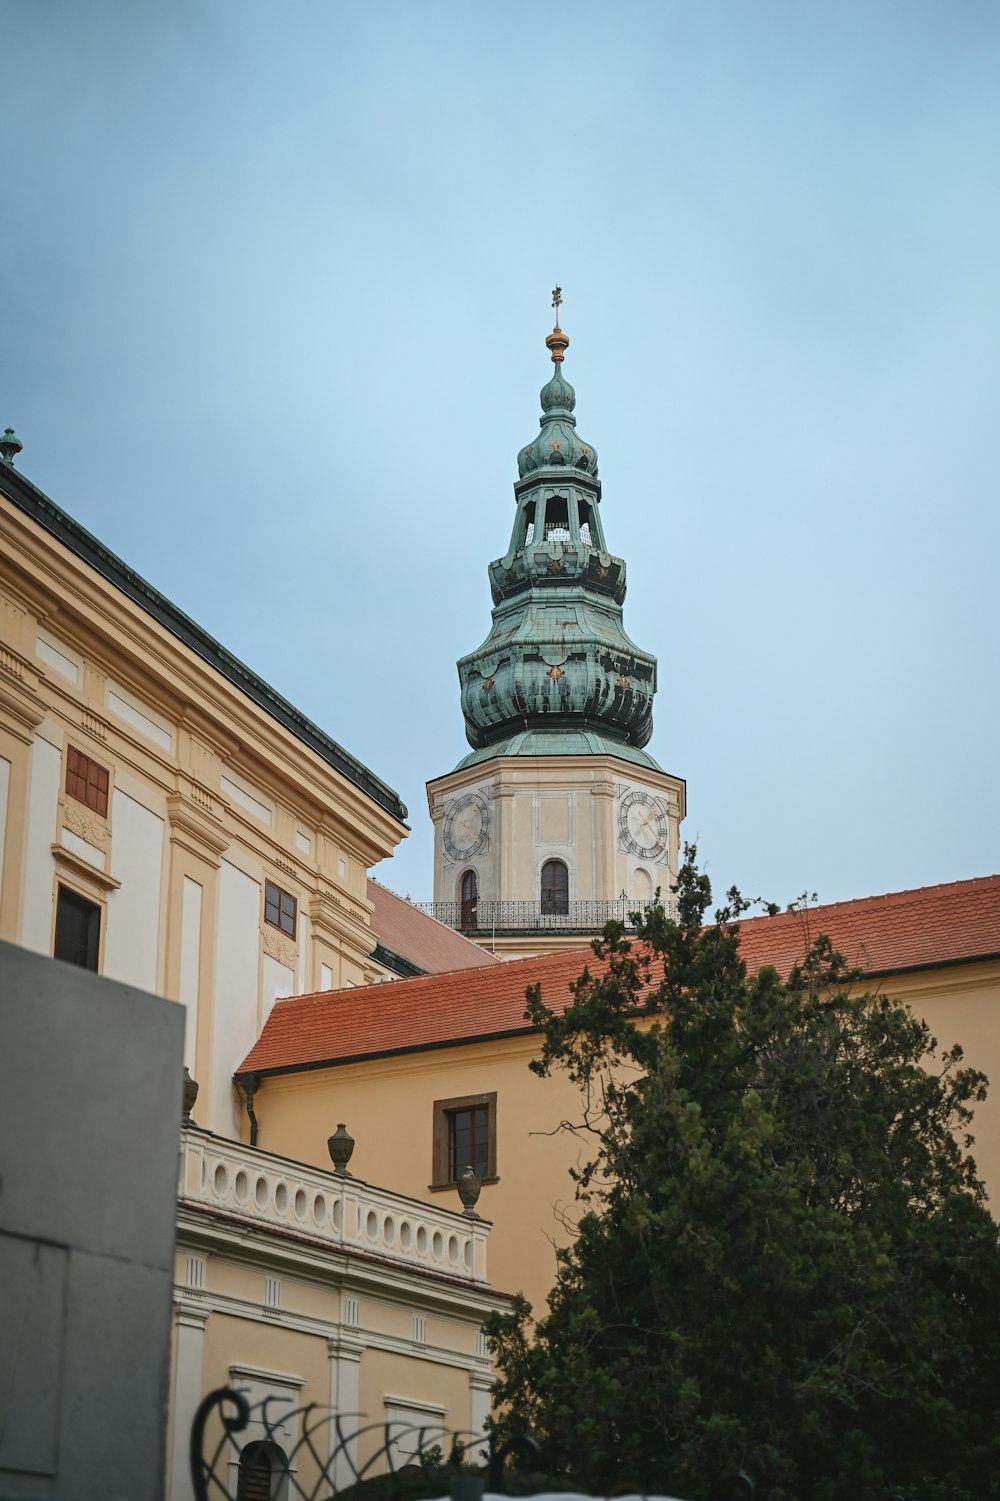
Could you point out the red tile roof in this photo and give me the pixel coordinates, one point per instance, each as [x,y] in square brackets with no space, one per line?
[427,943]
[921,929]
[904,930]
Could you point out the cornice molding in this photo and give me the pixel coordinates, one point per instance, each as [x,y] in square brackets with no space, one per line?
[348,1343]
[22,707]
[83,870]
[195,828]
[87,550]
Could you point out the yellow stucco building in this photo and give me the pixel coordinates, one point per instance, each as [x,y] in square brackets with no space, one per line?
[443,1071]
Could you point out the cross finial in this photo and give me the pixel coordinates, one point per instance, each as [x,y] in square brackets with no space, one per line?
[557,302]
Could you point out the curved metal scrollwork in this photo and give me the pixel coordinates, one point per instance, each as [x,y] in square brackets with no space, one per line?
[326,1445]
[321,1462]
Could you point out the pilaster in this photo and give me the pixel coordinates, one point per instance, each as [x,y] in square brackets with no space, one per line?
[190,1319]
[345,1351]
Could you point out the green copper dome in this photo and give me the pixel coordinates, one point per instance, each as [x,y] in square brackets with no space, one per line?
[558,446]
[557,675]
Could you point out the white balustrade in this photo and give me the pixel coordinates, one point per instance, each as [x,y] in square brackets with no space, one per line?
[344,1212]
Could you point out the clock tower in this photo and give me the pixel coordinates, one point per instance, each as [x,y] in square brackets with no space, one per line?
[558,818]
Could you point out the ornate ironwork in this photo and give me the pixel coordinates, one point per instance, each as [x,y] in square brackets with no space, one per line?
[489,917]
[325,1449]
[327,1444]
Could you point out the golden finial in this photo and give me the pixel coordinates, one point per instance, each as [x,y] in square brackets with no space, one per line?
[557,341]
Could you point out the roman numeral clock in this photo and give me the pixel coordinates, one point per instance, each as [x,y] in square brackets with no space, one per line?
[642,826]
[466,826]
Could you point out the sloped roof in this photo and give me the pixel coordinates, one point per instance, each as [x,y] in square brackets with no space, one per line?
[904,930]
[413,935]
[919,929]
[429,1011]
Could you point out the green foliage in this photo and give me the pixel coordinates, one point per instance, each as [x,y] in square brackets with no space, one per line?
[784,1263]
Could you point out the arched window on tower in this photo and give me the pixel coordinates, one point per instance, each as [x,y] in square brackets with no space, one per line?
[555,889]
[470,900]
[557,519]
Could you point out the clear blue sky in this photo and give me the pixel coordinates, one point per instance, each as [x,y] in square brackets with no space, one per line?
[275,286]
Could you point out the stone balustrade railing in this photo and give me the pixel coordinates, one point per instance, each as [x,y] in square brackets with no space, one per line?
[344,1212]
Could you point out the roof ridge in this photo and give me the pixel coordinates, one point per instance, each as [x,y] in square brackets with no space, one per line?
[880,896]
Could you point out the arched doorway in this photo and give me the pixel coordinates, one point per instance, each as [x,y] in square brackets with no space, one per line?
[470,901]
[555,889]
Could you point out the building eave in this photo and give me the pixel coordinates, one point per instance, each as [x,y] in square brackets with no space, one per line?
[52,519]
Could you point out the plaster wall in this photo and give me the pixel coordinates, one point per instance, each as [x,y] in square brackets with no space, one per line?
[131,944]
[36,930]
[88,1155]
[4,795]
[190,967]
[237,959]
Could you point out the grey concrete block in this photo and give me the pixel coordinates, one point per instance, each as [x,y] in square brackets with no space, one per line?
[90,1109]
[32,1310]
[114,1396]
[89,1139]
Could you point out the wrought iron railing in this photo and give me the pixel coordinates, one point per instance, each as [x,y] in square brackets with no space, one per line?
[489,917]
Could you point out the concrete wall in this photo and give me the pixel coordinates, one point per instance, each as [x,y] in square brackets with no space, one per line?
[89,1122]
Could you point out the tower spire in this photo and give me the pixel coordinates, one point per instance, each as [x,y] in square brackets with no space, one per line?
[557,674]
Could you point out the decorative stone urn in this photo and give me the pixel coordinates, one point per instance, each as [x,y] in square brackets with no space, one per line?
[190,1095]
[469,1189]
[341,1145]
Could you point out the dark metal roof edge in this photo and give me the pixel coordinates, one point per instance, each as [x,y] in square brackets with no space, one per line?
[397,962]
[914,969]
[413,1047]
[34,503]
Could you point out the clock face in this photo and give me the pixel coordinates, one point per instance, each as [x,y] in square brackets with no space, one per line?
[466,826]
[642,826]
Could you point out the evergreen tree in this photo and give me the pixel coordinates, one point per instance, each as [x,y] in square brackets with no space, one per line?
[784,1262]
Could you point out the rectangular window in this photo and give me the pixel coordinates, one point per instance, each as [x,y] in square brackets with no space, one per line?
[468,1141]
[465,1135]
[280,908]
[78,929]
[87,781]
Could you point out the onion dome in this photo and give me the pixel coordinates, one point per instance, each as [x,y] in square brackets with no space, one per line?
[558,445]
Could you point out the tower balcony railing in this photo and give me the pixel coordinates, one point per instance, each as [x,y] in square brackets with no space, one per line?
[482,918]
